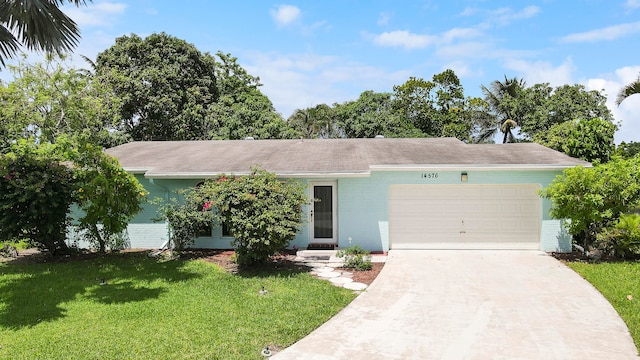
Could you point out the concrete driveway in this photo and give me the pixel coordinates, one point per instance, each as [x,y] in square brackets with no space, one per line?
[458,304]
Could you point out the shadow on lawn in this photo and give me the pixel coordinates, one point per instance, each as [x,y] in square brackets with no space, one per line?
[279,268]
[34,293]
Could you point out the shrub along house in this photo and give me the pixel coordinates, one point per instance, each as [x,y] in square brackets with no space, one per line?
[378,193]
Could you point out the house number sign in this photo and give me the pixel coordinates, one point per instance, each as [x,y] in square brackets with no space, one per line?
[430,175]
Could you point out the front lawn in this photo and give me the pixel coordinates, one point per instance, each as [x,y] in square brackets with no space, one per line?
[620,283]
[151,309]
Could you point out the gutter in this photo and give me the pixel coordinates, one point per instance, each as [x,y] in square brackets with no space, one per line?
[479,167]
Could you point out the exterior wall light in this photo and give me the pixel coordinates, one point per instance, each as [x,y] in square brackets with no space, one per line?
[464,177]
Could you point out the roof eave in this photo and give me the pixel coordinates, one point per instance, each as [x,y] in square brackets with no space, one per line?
[280,174]
[482,167]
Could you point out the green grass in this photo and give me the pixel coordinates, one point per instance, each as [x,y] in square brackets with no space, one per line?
[616,281]
[156,310]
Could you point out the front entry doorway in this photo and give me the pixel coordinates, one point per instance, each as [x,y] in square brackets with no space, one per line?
[324,230]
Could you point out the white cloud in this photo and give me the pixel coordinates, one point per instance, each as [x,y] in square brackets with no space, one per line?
[285,15]
[98,14]
[542,71]
[505,16]
[632,4]
[502,16]
[606,33]
[403,38]
[409,40]
[296,81]
[627,114]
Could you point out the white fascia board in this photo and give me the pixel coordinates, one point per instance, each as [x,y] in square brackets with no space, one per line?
[479,167]
[132,170]
[298,175]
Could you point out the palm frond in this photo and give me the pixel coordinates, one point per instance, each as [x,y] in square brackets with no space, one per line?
[9,45]
[39,25]
[625,92]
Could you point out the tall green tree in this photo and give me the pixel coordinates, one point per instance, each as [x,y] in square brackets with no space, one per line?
[438,107]
[373,114]
[315,122]
[631,89]
[242,110]
[38,25]
[628,150]
[166,86]
[48,99]
[589,140]
[505,115]
[545,107]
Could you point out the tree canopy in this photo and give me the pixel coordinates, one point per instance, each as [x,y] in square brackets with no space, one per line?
[166,86]
[49,99]
[242,110]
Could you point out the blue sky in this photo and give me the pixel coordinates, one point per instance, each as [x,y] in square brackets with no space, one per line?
[312,52]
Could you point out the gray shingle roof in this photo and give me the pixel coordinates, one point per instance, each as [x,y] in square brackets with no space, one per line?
[315,157]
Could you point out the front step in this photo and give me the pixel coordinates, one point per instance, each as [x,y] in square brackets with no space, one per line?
[318,256]
[322,246]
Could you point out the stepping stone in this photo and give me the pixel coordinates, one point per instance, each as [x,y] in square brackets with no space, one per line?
[329,274]
[316,264]
[358,286]
[340,280]
[335,264]
[322,269]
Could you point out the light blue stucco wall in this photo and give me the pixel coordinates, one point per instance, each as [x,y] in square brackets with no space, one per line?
[362,208]
[363,203]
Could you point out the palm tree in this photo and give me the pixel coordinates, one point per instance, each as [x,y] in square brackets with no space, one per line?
[625,92]
[38,25]
[495,95]
[506,128]
[315,122]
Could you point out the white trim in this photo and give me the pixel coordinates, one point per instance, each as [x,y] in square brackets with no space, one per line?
[334,209]
[482,167]
[208,175]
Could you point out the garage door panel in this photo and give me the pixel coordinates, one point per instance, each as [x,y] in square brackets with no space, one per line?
[464,216]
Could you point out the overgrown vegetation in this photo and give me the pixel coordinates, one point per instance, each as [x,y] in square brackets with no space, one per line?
[186,218]
[41,181]
[594,200]
[37,193]
[261,212]
[150,309]
[355,258]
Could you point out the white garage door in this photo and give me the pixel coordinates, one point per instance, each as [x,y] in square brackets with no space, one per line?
[464,217]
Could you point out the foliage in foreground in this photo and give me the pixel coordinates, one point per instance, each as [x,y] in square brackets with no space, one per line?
[40,181]
[261,212]
[156,310]
[186,219]
[617,281]
[593,199]
[37,193]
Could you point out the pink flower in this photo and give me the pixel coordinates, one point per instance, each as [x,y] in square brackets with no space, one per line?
[206,206]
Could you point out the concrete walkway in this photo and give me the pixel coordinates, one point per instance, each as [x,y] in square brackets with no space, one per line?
[461,304]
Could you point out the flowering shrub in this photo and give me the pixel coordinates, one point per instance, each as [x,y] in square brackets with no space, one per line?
[186,219]
[261,212]
[37,192]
